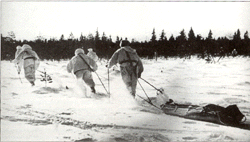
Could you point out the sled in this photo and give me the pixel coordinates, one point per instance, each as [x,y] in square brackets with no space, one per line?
[191,112]
[194,112]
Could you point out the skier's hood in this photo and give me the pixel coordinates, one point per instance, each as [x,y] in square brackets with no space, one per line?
[19,47]
[129,49]
[79,51]
[26,47]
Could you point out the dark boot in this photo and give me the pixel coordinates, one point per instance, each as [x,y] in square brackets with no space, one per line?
[133,94]
[93,89]
[32,83]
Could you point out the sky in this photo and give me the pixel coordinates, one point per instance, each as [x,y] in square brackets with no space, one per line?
[134,20]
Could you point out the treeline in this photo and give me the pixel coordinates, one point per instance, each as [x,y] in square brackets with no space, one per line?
[182,46]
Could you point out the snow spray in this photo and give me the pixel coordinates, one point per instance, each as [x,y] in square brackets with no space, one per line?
[80,88]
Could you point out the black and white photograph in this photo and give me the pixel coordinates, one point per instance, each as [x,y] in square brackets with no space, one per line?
[125,71]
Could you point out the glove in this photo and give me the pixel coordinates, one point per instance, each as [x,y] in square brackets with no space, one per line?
[18,70]
[139,75]
[106,66]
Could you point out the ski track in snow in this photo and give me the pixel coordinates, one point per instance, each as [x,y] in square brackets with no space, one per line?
[67,115]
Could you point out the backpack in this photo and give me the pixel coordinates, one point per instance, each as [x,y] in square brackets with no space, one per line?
[133,68]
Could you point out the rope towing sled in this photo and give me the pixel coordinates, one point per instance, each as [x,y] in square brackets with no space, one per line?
[228,116]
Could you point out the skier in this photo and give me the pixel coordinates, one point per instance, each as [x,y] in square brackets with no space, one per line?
[234,52]
[18,65]
[29,60]
[130,65]
[92,54]
[82,66]
[221,53]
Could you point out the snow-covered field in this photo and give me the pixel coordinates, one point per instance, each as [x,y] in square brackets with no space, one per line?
[54,113]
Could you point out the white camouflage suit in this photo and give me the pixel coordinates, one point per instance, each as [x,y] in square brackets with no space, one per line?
[129,74]
[30,62]
[80,68]
[92,54]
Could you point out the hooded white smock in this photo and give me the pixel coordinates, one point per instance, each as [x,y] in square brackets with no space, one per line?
[25,55]
[92,55]
[18,50]
[77,63]
[80,65]
[126,56]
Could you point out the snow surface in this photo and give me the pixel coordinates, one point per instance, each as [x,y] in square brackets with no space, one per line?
[54,113]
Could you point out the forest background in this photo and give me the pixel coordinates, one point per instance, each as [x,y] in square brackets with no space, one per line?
[183,46]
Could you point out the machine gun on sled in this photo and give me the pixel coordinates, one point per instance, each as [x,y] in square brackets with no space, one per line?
[229,116]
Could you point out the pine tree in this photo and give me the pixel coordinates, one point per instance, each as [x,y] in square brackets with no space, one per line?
[210,35]
[199,45]
[246,37]
[246,43]
[104,38]
[237,42]
[192,45]
[171,39]
[162,36]
[237,35]
[81,37]
[172,45]
[117,40]
[62,37]
[110,39]
[182,36]
[153,43]
[191,36]
[210,44]
[181,43]
[97,37]
[153,38]
[162,44]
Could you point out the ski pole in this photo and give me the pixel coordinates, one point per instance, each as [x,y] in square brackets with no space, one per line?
[149,102]
[40,71]
[20,78]
[144,91]
[101,82]
[108,83]
[151,85]
[45,77]
[108,78]
[93,71]
[18,74]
